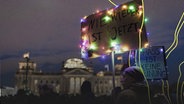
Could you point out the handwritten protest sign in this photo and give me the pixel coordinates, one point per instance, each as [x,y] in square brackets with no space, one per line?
[120,25]
[153,62]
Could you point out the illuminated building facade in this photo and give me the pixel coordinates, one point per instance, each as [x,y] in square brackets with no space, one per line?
[68,81]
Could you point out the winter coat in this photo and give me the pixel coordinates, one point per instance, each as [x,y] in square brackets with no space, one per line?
[135,94]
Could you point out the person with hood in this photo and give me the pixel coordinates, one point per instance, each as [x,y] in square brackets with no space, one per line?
[134,90]
[87,96]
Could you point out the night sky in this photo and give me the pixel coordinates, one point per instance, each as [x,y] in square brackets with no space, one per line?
[50,31]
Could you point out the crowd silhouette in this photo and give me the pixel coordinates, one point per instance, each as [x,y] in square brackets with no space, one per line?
[53,98]
[134,92]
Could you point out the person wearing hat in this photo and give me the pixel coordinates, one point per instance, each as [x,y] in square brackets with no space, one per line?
[134,90]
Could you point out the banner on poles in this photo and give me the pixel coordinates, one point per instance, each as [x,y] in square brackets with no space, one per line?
[152,61]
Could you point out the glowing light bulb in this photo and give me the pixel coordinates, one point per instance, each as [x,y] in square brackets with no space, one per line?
[140,30]
[146,45]
[117,6]
[110,12]
[93,47]
[131,55]
[125,48]
[103,56]
[83,19]
[124,7]
[140,12]
[84,43]
[132,8]
[140,6]
[146,20]
[107,18]
[161,50]
[108,51]
[97,11]
[84,37]
[113,44]
[141,50]
[147,33]
[84,29]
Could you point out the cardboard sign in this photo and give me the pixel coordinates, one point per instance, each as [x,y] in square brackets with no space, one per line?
[153,62]
[120,25]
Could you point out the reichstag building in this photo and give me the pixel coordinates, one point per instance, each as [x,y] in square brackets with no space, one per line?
[68,81]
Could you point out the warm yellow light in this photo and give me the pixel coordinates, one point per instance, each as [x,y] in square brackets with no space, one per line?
[125,48]
[26,55]
[140,30]
[108,51]
[119,58]
[93,47]
[95,55]
[140,12]
[146,45]
[84,37]
[84,17]
[110,12]
[124,7]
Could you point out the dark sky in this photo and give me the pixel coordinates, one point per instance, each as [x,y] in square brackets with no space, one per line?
[50,31]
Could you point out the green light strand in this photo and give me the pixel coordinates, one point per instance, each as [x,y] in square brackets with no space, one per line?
[168,92]
[177,89]
[112,3]
[181,96]
[176,40]
[175,33]
[163,90]
[139,62]
[129,56]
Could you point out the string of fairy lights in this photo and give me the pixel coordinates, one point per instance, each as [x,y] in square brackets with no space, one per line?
[171,48]
[86,45]
[112,3]
[177,89]
[181,92]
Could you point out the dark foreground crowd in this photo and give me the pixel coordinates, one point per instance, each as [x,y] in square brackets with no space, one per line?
[66,99]
[134,92]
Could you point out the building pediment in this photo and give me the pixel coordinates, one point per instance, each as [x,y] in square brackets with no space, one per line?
[78,72]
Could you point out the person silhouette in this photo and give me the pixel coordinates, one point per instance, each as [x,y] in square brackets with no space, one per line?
[134,90]
[87,96]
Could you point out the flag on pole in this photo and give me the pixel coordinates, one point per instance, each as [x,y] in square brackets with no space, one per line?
[26,55]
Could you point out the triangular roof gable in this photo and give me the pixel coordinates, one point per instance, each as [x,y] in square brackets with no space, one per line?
[77,72]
